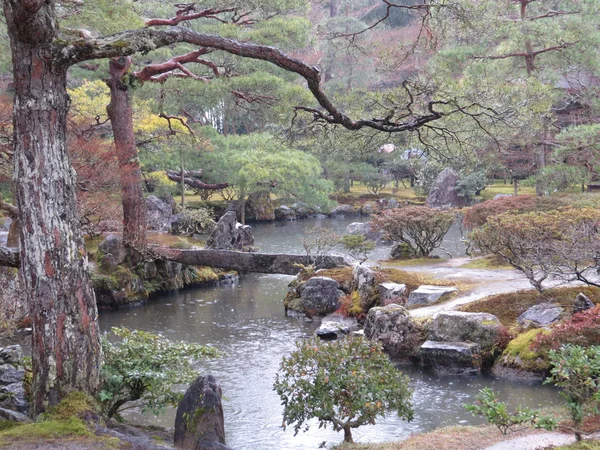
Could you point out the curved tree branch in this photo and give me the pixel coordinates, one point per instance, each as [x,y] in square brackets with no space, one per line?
[145,40]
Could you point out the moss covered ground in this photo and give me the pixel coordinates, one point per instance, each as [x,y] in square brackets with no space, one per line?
[507,307]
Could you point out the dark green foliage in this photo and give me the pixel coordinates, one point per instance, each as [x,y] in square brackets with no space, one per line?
[576,370]
[345,383]
[358,246]
[496,413]
[145,366]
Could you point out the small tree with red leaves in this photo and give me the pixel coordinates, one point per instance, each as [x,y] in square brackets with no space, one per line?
[419,227]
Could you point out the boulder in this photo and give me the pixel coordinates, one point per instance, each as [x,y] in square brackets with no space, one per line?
[158,214]
[582,303]
[320,296]
[368,209]
[284,212]
[426,294]
[393,327]
[12,374]
[13,354]
[199,423]
[443,193]
[364,229]
[389,203]
[391,291]
[300,210]
[365,283]
[12,396]
[335,325]
[229,234]
[456,326]
[259,207]
[451,358]
[13,416]
[343,210]
[497,196]
[541,315]
[113,252]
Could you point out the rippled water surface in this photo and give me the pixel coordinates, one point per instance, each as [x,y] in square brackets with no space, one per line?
[246,321]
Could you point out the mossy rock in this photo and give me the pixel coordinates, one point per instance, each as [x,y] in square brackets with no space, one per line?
[520,360]
[75,404]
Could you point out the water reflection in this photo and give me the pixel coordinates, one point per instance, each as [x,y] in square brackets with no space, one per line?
[246,321]
[286,236]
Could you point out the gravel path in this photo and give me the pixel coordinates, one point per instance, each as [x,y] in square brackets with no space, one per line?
[534,441]
[486,282]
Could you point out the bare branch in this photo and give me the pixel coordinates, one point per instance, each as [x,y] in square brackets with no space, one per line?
[528,54]
[179,119]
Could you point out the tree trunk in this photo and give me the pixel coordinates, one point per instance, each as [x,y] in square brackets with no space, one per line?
[65,340]
[243,210]
[182,172]
[120,111]
[348,434]
[516,186]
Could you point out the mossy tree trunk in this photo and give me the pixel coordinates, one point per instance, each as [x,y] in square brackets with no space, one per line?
[54,269]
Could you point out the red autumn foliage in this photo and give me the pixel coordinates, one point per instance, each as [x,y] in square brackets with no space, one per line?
[98,193]
[478,215]
[419,227]
[582,329]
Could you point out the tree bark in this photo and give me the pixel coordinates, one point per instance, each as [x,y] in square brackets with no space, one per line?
[194,182]
[348,434]
[120,111]
[66,345]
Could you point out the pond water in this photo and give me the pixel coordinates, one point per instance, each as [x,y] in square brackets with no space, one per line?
[246,321]
[286,236]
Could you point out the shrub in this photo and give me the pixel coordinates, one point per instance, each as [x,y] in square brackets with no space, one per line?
[194,221]
[419,227]
[358,246]
[496,413]
[350,305]
[560,244]
[347,383]
[576,370]
[145,366]
[318,241]
[478,215]
[375,182]
[582,329]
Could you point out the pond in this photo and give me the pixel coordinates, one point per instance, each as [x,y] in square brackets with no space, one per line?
[286,236]
[246,322]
